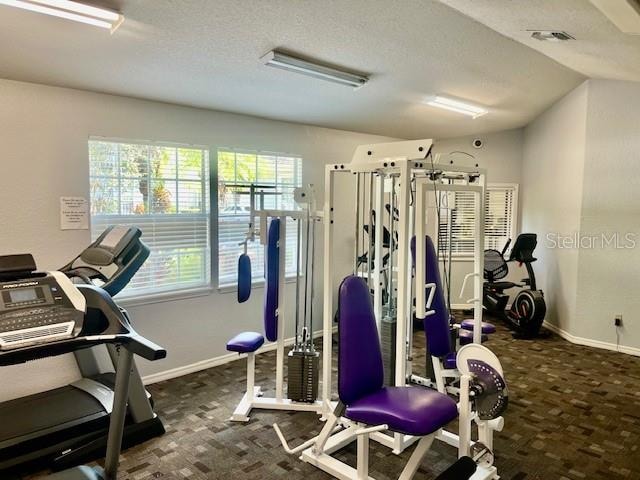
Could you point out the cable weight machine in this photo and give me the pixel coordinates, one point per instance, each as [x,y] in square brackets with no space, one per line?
[270,226]
[392,283]
[303,359]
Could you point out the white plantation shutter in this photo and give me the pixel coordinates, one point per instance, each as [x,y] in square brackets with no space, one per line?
[499,215]
[461,219]
[164,191]
[500,212]
[236,167]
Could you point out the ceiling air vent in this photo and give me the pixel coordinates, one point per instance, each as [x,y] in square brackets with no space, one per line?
[551,35]
[624,14]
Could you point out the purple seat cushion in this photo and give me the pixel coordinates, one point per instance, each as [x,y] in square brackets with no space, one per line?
[466,337]
[245,342]
[360,370]
[272,281]
[449,362]
[244,278]
[436,326]
[409,410]
[487,328]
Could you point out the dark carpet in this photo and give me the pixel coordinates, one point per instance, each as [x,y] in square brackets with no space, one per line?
[574,414]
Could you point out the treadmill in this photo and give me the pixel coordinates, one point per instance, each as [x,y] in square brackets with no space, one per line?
[68,425]
[45,314]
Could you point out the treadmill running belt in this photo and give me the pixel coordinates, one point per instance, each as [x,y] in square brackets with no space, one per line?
[46,412]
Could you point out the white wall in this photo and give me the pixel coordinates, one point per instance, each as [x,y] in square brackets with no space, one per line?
[551,196]
[608,277]
[501,155]
[581,177]
[44,132]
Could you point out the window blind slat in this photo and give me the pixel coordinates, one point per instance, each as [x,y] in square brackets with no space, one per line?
[459,222]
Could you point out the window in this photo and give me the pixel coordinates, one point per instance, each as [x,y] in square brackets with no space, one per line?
[163,190]
[500,215]
[500,210]
[284,172]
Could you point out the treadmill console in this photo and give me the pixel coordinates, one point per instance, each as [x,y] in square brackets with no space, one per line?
[39,308]
[111,261]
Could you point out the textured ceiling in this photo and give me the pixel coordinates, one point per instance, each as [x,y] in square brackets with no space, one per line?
[206,53]
[600,49]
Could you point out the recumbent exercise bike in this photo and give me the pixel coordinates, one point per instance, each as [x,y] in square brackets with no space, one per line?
[528,308]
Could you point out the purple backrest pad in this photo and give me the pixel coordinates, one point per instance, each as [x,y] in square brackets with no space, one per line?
[271,287]
[360,370]
[436,326]
[244,278]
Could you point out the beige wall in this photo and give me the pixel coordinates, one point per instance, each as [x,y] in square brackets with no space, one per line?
[608,277]
[551,194]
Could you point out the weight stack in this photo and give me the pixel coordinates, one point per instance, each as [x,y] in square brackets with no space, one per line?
[303,376]
[388,328]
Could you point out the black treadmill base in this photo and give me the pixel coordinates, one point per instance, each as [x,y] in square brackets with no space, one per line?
[134,434]
[80,449]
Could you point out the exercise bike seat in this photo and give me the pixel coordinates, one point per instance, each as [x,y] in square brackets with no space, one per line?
[502,285]
[487,328]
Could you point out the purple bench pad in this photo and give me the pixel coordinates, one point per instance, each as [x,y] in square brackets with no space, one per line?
[245,342]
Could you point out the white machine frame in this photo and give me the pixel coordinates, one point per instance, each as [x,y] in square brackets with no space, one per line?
[407,161]
[253,397]
[339,432]
[423,189]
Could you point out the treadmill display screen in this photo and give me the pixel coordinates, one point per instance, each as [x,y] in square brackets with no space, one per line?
[23,295]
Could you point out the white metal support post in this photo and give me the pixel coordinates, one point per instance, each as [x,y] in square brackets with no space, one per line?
[377,249]
[399,442]
[420,253]
[327,311]
[281,309]
[404,222]
[478,266]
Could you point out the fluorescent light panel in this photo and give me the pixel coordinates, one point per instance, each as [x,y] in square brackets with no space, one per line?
[457,106]
[78,12]
[293,64]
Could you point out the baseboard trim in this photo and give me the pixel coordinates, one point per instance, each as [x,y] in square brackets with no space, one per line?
[588,342]
[213,362]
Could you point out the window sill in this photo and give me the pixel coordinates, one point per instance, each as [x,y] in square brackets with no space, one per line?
[231,288]
[148,299]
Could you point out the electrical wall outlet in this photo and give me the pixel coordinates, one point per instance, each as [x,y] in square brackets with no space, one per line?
[617,321]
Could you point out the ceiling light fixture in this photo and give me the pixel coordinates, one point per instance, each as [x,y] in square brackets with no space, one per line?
[457,106]
[288,62]
[625,14]
[551,35]
[78,12]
